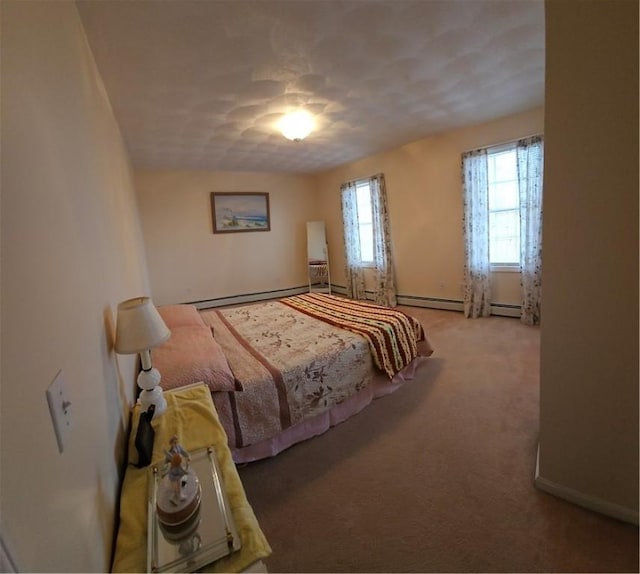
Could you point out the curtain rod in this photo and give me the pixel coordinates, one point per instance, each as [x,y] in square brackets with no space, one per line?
[358,179]
[514,140]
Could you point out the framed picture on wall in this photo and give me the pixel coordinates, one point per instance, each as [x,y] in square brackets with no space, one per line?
[233,212]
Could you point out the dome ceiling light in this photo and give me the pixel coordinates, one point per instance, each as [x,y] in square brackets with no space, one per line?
[297,125]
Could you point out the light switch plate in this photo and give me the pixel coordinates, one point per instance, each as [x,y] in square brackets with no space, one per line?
[60,409]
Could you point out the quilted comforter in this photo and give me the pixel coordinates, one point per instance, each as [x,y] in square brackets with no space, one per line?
[290,366]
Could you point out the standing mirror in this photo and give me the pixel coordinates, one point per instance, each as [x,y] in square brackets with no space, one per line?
[317,258]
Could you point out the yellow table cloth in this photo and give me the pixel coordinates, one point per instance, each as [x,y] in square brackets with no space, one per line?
[191,415]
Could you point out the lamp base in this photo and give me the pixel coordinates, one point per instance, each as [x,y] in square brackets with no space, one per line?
[151,394]
[153,397]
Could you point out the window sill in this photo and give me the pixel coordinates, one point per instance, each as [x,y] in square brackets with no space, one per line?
[505,268]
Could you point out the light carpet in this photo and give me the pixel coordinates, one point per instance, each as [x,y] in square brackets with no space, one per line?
[437,477]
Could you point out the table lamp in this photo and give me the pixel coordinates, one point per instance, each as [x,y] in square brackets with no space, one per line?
[140,328]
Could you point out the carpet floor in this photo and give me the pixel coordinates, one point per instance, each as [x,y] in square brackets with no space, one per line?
[438,476]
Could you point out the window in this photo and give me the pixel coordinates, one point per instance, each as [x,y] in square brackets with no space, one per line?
[504,207]
[502,222]
[365,221]
[367,240]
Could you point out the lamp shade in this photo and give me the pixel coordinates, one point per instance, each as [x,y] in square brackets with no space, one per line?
[139,326]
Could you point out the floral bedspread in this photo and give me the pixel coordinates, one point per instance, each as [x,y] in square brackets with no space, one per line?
[290,366]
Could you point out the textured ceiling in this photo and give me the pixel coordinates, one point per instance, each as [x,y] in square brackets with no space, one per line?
[201,84]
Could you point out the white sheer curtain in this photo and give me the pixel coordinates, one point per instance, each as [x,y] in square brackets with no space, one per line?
[354,271]
[384,274]
[382,271]
[475,222]
[530,156]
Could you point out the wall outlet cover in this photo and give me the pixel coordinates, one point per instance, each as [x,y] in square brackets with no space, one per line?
[60,409]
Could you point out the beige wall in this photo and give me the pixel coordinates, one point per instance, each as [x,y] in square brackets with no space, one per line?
[188,262]
[589,334]
[71,249]
[425,206]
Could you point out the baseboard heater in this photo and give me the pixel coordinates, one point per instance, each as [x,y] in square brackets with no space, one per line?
[409,300]
[456,305]
[248,297]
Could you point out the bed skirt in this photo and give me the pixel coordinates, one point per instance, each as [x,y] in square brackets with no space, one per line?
[319,424]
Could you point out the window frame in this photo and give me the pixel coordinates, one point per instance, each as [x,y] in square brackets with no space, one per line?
[503,266]
[359,183]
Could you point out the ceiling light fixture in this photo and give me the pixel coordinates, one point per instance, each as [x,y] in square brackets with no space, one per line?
[297,125]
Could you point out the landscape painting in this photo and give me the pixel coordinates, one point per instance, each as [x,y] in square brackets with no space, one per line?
[240,211]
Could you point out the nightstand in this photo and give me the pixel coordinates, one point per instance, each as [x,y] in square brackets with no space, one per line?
[192,416]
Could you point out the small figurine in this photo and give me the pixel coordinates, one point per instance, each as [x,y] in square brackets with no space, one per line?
[176,448]
[176,474]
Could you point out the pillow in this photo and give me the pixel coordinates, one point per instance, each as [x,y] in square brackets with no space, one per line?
[180,316]
[192,355]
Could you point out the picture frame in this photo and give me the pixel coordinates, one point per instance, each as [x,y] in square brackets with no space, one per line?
[240,211]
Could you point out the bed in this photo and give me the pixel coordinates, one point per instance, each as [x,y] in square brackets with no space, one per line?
[284,371]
